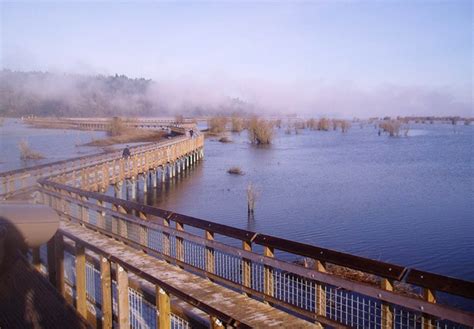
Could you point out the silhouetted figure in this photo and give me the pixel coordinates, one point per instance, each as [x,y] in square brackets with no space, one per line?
[191,133]
[379,132]
[126,153]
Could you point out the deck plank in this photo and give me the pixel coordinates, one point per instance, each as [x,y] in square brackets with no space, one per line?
[245,309]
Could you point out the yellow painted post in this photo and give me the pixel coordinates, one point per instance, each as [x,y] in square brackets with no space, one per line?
[35,252]
[123,304]
[210,263]
[59,251]
[166,239]
[246,266]
[387,310]
[81,293]
[106,286]
[320,290]
[51,246]
[179,243]
[163,305]
[215,323]
[268,283]
[430,296]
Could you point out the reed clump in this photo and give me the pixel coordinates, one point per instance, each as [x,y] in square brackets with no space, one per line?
[235,171]
[323,124]
[117,127]
[217,125]
[237,124]
[260,131]
[251,198]
[392,127]
[26,153]
[345,126]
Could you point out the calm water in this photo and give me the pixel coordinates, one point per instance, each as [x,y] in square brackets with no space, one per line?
[53,144]
[406,200]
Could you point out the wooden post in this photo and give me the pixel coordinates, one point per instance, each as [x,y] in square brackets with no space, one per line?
[51,246]
[143,230]
[123,305]
[268,283]
[35,252]
[320,290]
[163,306]
[81,293]
[246,266]
[215,323]
[166,239]
[387,312]
[106,285]
[59,251]
[210,263]
[179,243]
[430,296]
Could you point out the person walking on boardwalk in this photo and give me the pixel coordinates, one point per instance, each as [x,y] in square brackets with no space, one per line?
[191,133]
[126,152]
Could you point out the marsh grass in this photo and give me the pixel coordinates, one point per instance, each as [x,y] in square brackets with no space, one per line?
[260,131]
[216,125]
[237,124]
[252,195]
[392,127]
[26,153]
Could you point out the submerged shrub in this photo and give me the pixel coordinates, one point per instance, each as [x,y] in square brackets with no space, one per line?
[235,171]
[217,124]
[237,124]
[260,131]
[26,153]
[392,127]
[116,127]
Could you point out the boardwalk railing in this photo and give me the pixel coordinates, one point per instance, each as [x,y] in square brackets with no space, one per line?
[16,181]
[260,265]
[105,123]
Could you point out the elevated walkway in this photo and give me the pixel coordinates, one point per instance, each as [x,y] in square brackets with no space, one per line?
[248,311]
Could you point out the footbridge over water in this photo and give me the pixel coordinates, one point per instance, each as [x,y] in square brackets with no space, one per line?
[124,264]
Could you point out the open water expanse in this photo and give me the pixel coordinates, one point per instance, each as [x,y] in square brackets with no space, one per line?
[407,200]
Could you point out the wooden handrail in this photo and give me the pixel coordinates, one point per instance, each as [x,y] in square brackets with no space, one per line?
[385,270]
[169,288]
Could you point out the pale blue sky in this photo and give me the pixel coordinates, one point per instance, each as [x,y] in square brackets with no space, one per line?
[369,44]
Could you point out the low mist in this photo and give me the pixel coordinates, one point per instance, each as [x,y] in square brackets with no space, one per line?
[53,94]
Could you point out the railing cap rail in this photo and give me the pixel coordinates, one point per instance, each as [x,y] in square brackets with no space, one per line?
[385,270]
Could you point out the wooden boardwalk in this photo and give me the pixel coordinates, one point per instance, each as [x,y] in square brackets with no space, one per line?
[236,305]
